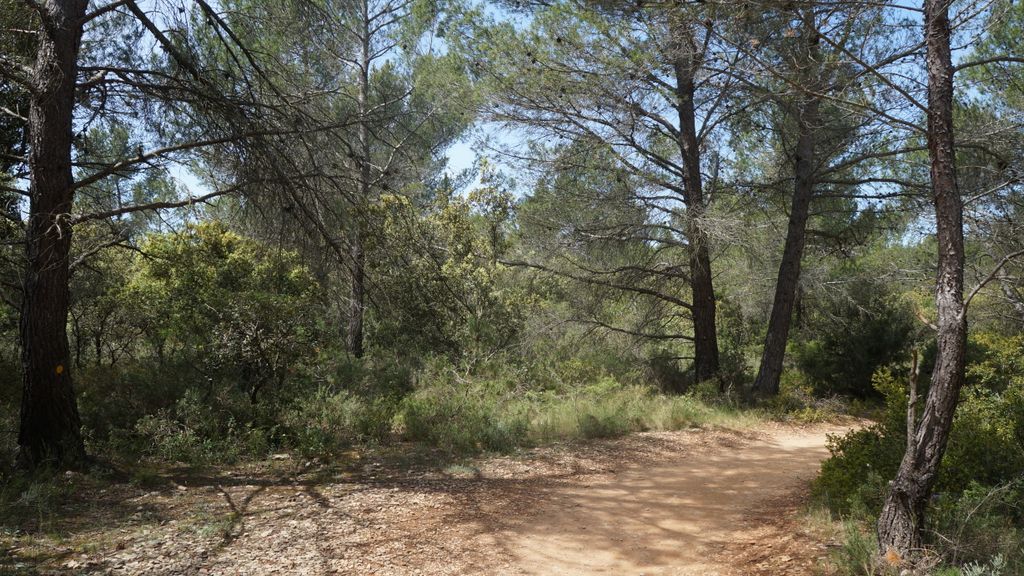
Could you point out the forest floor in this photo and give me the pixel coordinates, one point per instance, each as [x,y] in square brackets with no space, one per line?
[701,501]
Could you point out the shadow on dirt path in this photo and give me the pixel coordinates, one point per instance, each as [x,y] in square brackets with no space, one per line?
[665,519]
[711,502]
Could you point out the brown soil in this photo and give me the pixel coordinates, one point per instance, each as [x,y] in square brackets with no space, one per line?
[706,502]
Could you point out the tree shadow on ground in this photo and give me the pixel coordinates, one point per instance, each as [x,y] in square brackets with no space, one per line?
[635,504]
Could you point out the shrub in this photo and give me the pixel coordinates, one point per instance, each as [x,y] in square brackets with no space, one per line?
[969,521]
[464,419]
[981,524]
[31,500]
[857,554]
[850,338]
[470,415]
[326,421]
[241,313]
[852,478]
[195,432]
[115,397]
[796,401]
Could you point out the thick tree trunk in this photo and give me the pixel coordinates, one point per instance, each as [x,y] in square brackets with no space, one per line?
[705,331]
[50,425]
[788,282]
[902,518]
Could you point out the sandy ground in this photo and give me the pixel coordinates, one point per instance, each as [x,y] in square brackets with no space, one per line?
[672,518]
[681,503]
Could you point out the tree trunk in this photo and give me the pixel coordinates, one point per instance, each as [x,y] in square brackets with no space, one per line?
[902,518]
[50,424]
[705,331]
[357,296]
[788,282]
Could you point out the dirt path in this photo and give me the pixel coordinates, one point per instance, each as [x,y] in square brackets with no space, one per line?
[672,518]
[693,502]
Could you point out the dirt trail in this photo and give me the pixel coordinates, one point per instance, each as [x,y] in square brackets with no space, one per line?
[697,502]
[675,518]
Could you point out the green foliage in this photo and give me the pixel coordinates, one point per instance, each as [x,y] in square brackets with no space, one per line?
[976,515]
[195,431]
[447,293]
[32,500]
[463,415]
[209,281]
[997,361]
[738,340]
[114,397]
[983,523]
[852,479]
[797,401]
[326,422]
[1004,28]
[857,554]
[850,337]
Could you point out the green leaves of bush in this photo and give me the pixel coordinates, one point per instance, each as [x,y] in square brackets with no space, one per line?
[977,512]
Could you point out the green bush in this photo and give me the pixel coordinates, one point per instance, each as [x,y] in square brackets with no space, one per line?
[326,422]
[857,554]
[983,523]
[852,479]
[849,339]
[195,432]
[31,500]
[797,402]
[997,361]
[969,521]
[465,418]
[112,398]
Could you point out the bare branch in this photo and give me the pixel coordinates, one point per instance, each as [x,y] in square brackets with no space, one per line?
[103,10]
[191,200]
[986,61]
[618,286]
[992,275]
[638,334]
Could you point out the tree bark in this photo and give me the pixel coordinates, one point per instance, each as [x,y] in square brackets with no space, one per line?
[357,295]
[788,281]
[787,284]
[357,298]
[705,331]
[902,518]
[49,432]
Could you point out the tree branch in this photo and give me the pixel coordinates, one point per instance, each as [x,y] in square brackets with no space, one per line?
[103,10]
[986,61]
[73,220]
[1006,260]
[618,286]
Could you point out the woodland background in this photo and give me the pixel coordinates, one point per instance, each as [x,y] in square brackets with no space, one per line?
[234,225]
